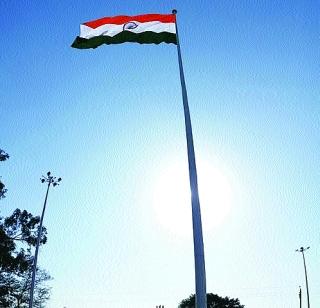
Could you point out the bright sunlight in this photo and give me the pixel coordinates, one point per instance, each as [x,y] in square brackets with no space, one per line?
[172,202]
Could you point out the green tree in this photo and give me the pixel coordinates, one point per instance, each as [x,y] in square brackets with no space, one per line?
[15,289]
[18,234]
[3,156]
[213,301]
[18,237]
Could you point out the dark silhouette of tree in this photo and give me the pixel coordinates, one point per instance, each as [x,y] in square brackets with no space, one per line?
[3,156]
[18,235]
[213,301]
[15,289]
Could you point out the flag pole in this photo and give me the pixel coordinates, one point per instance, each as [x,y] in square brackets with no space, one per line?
[200,272]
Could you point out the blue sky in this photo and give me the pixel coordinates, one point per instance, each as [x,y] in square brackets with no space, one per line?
[110,121]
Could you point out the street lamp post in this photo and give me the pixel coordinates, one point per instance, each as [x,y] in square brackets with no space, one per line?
[54,181]
[300,302]
[302,250]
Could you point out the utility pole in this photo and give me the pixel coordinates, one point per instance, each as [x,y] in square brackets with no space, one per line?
[54,181]
[302,250]
[300,297]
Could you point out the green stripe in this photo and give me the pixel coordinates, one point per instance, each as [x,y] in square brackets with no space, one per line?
[126,36]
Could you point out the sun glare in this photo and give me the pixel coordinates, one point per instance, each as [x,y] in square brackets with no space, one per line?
[172,202]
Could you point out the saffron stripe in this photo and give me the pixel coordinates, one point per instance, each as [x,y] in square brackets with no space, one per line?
[119,20]
[147,37]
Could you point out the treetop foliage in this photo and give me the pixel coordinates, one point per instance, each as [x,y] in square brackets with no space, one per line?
[3,156]
[213,301]
[18,233]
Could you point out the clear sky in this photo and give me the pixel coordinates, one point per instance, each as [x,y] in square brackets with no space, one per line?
[110,123]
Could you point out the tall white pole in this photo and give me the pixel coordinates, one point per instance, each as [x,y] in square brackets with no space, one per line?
[200,272]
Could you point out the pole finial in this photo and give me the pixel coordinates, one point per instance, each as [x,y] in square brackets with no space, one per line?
[174,11]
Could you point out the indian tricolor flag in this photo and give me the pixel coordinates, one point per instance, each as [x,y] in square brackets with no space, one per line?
[143,29]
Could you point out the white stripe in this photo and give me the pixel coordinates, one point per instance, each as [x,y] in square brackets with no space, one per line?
[112,30]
